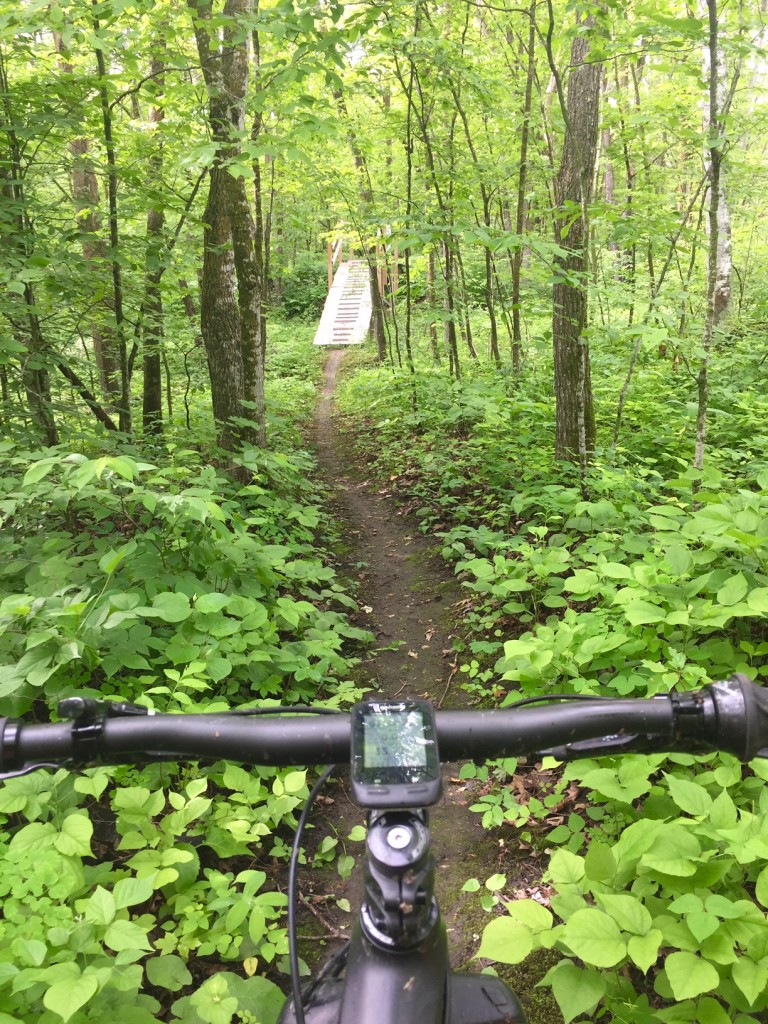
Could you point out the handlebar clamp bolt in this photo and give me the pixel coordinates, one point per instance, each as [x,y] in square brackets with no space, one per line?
[398,837]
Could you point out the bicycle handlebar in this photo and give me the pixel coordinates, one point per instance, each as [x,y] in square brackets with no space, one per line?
[731,715]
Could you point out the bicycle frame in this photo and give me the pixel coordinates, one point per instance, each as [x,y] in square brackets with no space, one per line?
[398,971]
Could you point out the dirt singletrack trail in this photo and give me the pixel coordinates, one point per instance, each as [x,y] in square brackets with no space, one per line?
[407,594]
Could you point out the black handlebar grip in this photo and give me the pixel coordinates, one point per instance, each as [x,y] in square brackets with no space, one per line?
[741,707]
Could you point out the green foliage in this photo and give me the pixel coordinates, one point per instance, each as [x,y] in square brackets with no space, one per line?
[654,579]
[305,286]
[167,584]
[210,592]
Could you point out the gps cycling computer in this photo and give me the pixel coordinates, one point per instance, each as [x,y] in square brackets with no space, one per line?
[395,761]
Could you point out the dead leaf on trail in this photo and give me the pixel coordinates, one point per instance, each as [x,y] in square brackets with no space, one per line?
[367,609]
[540,893]
[412,654]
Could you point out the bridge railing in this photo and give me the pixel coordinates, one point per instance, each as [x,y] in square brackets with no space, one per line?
[335,257]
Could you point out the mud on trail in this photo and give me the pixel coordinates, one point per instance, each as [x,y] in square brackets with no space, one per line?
[408,598]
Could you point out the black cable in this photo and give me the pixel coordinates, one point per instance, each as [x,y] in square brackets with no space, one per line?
[284,709]
[545,698]
[293,952]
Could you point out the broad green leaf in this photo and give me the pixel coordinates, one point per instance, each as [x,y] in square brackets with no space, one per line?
[100,908]
[761,887]
[733,590]
[258,998]
[38,470]
[130,891]
[213,1002]
[594,937]
[710,1011]
[66,997]
[615,570]
[582,583]
[723,907]
[257,926]
[565,866]
[679,558]
[345,865]
[627,911]
[208,603]
[496,882]
[169,607]
[123,935]
[688,903]
[294,782]
[506,941]
[601,643]
[169,972]
[74,839]
[689,796]
[481,568]
[644,949]
[519,648]
[750,977]
[112,559]
[236,914]
[33,837]
[702,925]
[32,950]
[643,612]
[674,852]
[218,668]
[576,990]
[690,976]
[530,913]
[606,781]
[758,600]
[600,862]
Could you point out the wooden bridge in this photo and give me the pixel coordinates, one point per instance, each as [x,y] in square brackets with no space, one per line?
[347,312]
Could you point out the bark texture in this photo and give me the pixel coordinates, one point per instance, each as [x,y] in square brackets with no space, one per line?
[152,405]
[575,417]
[231,287]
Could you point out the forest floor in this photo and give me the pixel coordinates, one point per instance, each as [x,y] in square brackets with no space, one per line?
[410,603]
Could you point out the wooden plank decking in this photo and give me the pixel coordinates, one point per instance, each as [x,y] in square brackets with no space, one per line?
[347,312]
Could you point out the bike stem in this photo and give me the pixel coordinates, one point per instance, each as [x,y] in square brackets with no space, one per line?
[398,969]
[399,909]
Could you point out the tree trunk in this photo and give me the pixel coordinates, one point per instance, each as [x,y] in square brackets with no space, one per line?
[34,363]
[450,313]
[85,192]
[219,315]
[714,153]
[522,184]
[432,300]
[724,258]
[124,400]
[575,418]
[36,382]
[152,407]
[231,285]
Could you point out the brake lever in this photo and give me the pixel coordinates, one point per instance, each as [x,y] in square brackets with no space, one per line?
[620,743]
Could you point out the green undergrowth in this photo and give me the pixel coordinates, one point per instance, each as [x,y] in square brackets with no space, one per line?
[148,574]
[645,577]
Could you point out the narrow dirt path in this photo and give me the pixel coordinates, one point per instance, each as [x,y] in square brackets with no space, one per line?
[408,596]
